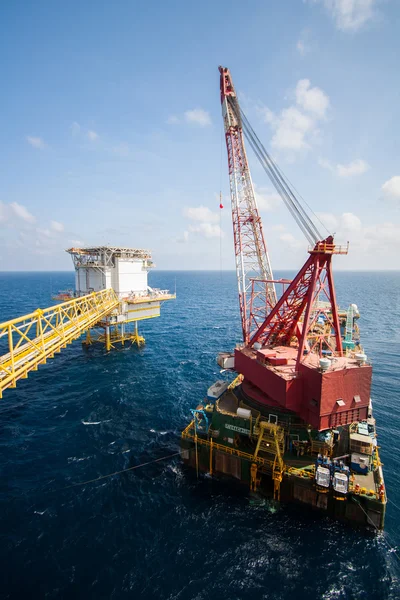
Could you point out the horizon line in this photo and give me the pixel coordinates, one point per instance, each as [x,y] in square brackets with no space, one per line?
[209,270]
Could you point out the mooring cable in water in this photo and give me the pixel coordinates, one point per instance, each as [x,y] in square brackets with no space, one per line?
[383,535]
[150,462]
[80,483]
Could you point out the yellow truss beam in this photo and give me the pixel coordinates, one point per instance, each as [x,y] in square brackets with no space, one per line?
[33,338]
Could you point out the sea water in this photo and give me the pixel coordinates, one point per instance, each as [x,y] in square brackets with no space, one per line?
[157,532]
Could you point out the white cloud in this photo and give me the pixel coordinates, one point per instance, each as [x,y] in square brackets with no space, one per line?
[198,116]
[36,142]
[57,226]
[349,15]
[266,200]
[207,230]
[290,241]
[22,212]
[340,224]
[92,135]
[326,164]
[350,222]
[313,100]
[287,237]
[201,213]
[355,167]
[383,235]
[206,221]
[296,127]
[292,130]
[329,221]
[173,120]
[391,187]
[76,243]
[371,246]
[19,230]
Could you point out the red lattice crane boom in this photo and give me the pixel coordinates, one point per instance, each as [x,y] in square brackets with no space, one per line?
[253,266]
[297,312]
[291,320]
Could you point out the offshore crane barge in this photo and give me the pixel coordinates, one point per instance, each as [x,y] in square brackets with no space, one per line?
[296,423]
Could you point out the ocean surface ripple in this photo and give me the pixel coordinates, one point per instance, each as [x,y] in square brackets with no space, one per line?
[158,532]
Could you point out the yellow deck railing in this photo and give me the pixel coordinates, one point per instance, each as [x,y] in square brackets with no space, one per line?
[189,433]
[33,338]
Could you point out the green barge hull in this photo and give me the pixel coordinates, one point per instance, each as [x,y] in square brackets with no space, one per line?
[280,457]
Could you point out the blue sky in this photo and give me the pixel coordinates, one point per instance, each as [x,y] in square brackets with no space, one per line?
[111,128]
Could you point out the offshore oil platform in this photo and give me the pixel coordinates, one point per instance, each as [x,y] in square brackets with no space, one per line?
[111,296]
[296,422]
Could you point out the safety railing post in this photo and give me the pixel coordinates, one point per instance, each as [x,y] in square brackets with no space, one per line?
[11,350]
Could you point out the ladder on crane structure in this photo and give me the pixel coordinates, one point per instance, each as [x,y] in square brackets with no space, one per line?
[32,339]
[271,442]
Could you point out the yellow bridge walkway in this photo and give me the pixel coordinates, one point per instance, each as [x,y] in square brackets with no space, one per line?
[33,338]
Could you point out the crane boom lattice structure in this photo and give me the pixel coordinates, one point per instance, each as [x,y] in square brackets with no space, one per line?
[264,320]
[253,266]
[292,315]
[34,338]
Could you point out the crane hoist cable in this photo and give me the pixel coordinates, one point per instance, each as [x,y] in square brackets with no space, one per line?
[304,221]
[276,176]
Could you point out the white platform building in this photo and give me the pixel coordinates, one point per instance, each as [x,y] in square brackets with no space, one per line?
[122,269]
[125,270]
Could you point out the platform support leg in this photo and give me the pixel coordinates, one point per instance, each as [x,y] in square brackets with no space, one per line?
[277,485]
[253,477]
[137,338]
[197,455]
[108,342]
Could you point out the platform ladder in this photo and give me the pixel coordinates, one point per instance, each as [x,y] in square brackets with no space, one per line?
[271,443]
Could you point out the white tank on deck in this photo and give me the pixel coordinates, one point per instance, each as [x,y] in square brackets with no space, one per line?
[361,358]
[324,364]
[245,413]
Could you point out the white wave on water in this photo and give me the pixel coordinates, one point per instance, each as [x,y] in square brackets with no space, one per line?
[37,512]
[160,432]
[63,415]
[72,459]
[94,422]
